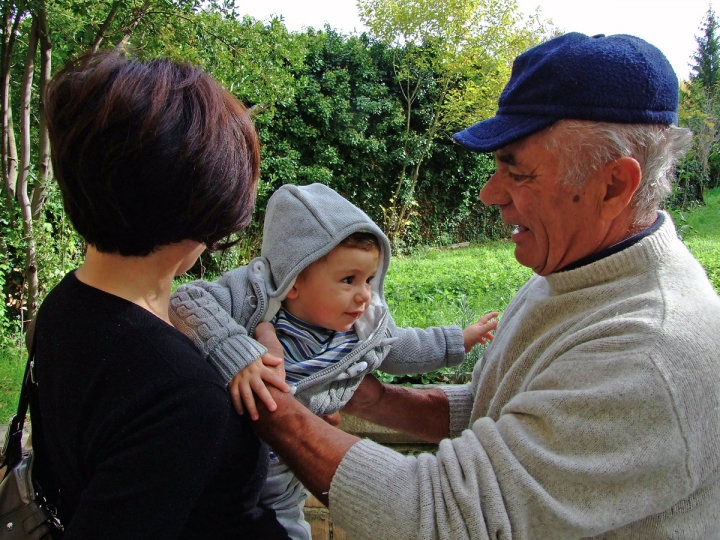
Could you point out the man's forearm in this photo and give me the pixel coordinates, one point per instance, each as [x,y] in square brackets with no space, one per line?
[422,413]
[311,447]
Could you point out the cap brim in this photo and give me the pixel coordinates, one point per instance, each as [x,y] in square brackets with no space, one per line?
[501,130]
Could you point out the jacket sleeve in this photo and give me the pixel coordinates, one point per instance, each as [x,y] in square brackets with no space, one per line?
[418,350]
[202,311]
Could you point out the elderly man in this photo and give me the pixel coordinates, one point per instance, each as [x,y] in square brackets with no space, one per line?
[594,413]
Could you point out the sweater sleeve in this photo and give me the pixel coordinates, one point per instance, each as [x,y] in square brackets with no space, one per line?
[582,451]
[201,310]
[421,350]
[460,397]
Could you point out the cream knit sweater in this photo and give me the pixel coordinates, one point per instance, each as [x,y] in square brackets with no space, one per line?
[595,413]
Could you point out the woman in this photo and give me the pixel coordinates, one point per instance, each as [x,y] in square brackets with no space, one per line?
[155,161]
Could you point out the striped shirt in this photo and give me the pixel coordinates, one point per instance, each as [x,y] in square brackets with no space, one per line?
[309,348]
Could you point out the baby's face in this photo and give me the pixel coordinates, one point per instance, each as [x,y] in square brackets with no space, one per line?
[333,292]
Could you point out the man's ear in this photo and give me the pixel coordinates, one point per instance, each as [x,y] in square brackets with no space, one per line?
[622,178]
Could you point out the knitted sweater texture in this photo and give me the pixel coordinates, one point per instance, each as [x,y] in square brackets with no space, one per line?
[594,413]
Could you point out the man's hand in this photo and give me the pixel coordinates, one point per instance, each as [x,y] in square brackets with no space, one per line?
[479,332]
[366,396]
[422,413]
[252,379]
[265,335]
[333,419]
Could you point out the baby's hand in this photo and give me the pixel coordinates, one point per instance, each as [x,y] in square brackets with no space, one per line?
[480,331]
[253,379]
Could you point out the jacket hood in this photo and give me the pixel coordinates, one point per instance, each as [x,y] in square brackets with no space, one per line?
[304,223]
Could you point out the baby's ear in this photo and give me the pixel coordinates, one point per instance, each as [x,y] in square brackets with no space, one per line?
[292,293]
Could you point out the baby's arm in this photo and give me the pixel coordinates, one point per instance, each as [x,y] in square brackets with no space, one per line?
[479,332]
[419,350]
[202,311]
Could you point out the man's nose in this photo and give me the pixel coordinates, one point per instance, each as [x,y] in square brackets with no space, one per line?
[493,192]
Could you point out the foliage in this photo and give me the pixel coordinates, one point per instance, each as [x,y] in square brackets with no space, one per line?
[689,185]
[700,111]
[346,128]
[329,108]
[450,62]
[700,230]
[706,69]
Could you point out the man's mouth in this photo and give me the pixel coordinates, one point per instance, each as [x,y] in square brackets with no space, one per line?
[520,229]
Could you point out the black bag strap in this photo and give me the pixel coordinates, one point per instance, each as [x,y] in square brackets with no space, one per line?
[12,447]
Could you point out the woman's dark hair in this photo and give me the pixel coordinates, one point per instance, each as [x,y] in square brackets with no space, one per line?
[150,153]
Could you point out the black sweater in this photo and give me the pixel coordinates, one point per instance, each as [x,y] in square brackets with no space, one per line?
[139,429]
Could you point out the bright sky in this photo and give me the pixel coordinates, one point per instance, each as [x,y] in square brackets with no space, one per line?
[671,25]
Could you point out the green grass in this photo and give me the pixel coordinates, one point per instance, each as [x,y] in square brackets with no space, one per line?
[430,287]
[12,367]
[451,286]
[700,230]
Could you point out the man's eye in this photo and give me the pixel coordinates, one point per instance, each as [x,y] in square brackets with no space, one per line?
[348,280]
[517,177]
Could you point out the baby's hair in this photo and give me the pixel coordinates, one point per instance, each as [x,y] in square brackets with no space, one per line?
[361,240]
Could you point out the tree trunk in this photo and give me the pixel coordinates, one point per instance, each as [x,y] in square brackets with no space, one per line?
[8,151]
[31,276]
[408,197]
[44,165]
[392,219]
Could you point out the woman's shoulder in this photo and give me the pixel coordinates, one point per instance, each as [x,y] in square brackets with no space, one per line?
[99,337]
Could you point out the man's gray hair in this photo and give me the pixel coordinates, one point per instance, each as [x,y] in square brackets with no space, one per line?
[584,147]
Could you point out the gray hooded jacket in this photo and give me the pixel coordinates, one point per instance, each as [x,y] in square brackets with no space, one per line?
[302,224]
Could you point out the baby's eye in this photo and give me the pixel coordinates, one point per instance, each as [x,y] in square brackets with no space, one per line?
[348,280]
[369,279]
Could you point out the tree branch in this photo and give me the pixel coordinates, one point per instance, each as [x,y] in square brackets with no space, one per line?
[105,25]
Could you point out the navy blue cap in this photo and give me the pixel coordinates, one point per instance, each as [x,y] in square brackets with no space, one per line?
[621,79]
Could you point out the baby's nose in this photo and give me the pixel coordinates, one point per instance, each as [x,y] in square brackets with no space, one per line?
[364,294]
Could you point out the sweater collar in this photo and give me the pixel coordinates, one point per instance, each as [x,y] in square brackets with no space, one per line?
[628,257]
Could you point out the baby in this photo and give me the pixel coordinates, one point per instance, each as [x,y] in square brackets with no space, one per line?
[319,280]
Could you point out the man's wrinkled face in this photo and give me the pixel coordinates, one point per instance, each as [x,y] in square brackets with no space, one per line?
[556,224]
